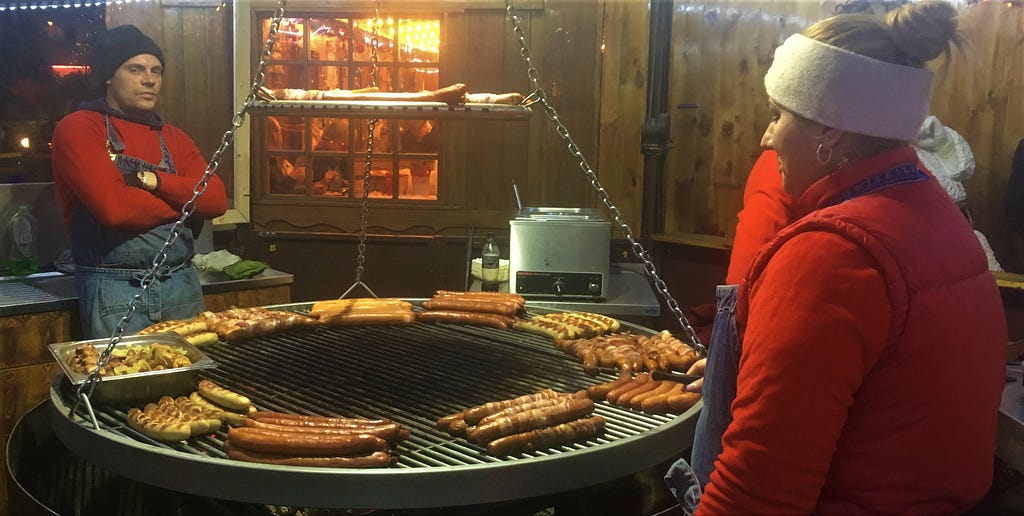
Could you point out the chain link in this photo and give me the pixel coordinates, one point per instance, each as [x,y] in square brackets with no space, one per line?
[371,127]
[86,389]
[637,247]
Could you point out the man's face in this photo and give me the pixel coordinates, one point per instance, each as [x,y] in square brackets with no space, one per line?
[135,86]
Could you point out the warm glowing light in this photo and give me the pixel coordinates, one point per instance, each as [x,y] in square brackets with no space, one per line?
[25,142]
[66,70]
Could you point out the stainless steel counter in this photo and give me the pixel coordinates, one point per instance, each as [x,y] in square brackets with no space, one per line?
[54,291]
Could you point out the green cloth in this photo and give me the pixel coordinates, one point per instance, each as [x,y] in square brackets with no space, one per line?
[244,269]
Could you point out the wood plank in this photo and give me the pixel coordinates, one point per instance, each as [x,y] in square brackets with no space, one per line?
[24,338]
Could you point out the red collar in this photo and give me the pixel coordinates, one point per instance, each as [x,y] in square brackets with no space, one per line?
[823,191]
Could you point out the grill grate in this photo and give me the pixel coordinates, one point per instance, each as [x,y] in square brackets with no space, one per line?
[411,374]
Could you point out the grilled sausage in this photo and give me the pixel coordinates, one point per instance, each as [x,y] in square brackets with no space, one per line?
[500,296]
[658,404]
[473,415]
[476,318]
[566,410]
[161,429]
[224,397]
[356,304]
[682,402]
[638,380]
[355,421]
[380,459]
[472,305]
[226,416]
[546,402]
[391,432]
[600,391]
[296,443]
[445,422]
[369,318]
[663,387]
[628,396]
[565,433]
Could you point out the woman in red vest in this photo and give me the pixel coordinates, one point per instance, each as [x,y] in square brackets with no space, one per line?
[863,370]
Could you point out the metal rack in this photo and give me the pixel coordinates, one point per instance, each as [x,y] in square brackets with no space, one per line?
[394,109]
[411,374]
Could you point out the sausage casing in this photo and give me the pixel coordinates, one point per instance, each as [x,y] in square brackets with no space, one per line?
[295,443]
[541,438]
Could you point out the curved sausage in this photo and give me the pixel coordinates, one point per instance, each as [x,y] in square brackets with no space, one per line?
[566,410]
[600,391]
[565,433]
[473,415]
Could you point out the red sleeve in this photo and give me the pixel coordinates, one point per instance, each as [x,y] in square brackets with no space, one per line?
[805,353]
[189,164]
[84,174]
[766,210]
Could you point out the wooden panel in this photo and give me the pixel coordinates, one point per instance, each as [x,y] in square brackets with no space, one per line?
[247,298]
[721,50]
[623,106]
[981,95]
[23,338]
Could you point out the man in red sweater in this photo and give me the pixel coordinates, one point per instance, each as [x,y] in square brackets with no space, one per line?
[122,176]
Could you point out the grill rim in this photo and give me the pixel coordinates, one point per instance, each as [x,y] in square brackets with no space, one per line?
[387,488]
[421,485]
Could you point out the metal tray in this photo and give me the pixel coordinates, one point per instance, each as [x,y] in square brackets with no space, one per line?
[128,389]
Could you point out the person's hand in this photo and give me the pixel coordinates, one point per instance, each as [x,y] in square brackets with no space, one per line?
[697,368]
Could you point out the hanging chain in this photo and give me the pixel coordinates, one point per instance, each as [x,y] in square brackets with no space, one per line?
[371,126]
[563,132]
[86,389]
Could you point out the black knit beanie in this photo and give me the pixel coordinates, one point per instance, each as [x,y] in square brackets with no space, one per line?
[117,45]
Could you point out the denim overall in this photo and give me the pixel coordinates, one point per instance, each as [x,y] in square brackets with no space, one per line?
[110,264]
[686,479]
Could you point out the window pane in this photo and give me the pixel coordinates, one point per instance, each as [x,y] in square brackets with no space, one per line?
[381,136]
[328,39]
[285,76]
[330,134]
[362,37]
[287,174]
[381,184]
[362,78]
[422,176]
[419,40]
[328,77]
[283,133]
[289,42]
[329,174]
[419,136]
[418,78]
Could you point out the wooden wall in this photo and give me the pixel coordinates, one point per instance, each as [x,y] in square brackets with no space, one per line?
[721,50]
[592,60]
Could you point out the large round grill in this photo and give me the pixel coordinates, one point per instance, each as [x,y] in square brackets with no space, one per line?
[410,374]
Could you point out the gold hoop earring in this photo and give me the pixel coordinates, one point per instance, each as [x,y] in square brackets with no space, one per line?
[827,159]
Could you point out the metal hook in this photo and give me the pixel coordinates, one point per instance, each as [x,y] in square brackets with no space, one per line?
[358,284]
[532,98]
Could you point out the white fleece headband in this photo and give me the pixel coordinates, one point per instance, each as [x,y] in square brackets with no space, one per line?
[847,91]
